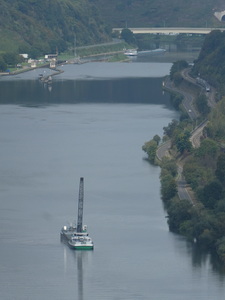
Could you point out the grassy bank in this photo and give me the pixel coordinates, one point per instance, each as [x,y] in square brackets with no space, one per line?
[92,50]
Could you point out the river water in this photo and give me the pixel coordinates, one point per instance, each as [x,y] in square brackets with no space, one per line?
[91,122]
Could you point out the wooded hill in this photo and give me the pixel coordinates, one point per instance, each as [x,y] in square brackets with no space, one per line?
[160,13]
[211,61]
[41,26]
[204,167]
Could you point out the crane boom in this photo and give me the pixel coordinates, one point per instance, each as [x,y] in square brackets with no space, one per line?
[80,206]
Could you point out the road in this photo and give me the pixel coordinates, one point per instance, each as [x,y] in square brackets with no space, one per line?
[163,150]
[182,186]
[197,134]
[188,99]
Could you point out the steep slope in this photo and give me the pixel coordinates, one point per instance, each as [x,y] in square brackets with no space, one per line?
[211,61]
[43,25]
[159,13]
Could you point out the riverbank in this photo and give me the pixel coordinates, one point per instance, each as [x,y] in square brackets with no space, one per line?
[112,52]
[197,212]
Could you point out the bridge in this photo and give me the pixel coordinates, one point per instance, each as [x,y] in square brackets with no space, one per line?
[170,30]
[220,15]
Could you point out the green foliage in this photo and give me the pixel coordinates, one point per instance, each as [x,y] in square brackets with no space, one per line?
[168,166]
[168,186]
[220,247]
[195,222]
[47,25]
[202,104]
[176,100]
[208,149]
[157,139]
[204,167]
[216,126]
[207,153]
[210,194]
[211,61]
[128,36]
[170,129]
[204,229]
[177,78]
[182,142]
[175,70]
[192,173]
[220,168]
[167,178]
[179,213]
[3,64]
[155,13]
[196,173]
[11,59]
[150,148]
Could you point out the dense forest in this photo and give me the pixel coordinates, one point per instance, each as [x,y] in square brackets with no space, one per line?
[37,26]
[211,61]
[202,221]
[160,13]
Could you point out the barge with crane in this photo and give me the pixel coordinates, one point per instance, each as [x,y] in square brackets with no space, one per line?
[76,236]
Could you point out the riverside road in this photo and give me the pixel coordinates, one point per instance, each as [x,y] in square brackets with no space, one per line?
[195,139]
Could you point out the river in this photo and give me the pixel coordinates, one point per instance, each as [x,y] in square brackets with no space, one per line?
[91,122]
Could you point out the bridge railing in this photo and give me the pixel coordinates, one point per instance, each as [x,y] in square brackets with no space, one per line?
[171,30]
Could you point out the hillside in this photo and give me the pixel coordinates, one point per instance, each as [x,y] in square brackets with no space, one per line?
[203,165]
[159,13]
[211,61]
[40,26]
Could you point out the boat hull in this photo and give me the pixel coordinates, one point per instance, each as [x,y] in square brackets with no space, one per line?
[78,247]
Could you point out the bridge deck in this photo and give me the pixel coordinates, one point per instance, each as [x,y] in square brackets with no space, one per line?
[171,30]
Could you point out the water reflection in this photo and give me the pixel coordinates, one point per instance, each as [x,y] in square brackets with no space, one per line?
[126,90]
[202,257]
[80,257]
[80,260]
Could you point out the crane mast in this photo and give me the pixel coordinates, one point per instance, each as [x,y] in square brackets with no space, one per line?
[80,206]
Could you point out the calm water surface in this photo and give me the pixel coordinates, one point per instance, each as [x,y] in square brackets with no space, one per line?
[93,127]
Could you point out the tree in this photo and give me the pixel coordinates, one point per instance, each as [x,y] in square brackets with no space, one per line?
[150,148]
[176,100]
[220,247]
[207,153]
[169,165]
[182,142]
[169,130]
[179,212]
[207,148]
[177,78]
[211,194]
[210,63]
[220,170]
[11,58]
[3,65]
[177,67]
[202,105]
[128,36]
[157,139]
[192,173]
[168,186]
